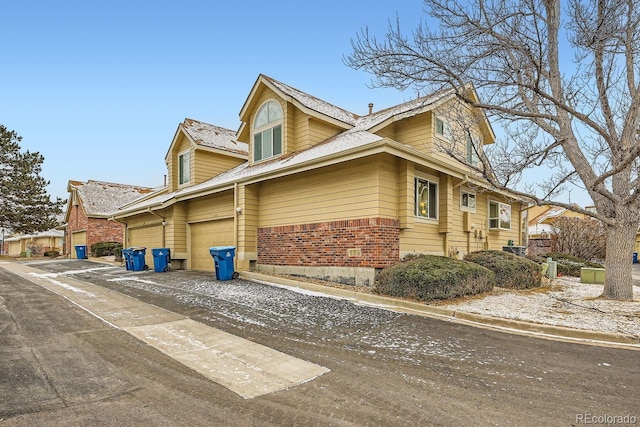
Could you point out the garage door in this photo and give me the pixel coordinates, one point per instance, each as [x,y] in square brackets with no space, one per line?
[205,235]
[79,238]
[147,237]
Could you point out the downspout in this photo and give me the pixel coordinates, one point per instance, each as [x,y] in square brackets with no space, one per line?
[236,213]
[126,230]
[164,224]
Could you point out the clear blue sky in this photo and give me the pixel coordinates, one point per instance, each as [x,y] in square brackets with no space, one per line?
[99,88]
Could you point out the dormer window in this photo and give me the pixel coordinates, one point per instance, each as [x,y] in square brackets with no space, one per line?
[184,167]
[443,128]
[267,131]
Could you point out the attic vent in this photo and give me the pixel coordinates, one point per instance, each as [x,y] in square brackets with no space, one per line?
[370,108]
[353,252]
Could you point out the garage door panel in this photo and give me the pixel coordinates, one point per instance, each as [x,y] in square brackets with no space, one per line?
[205,235]
[147,237]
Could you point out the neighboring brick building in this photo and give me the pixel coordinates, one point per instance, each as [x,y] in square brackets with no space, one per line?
[90,207]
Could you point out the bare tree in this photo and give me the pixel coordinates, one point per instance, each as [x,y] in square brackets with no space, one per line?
[580,237]
[563,83]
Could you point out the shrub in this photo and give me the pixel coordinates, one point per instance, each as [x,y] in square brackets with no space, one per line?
[429,277]
[582,237]
[52,253]
[568,265]
[105,248]
[511,271]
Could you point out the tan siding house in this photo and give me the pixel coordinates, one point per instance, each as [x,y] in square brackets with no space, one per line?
[305,187]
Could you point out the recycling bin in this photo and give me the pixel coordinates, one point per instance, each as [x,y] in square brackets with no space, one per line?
[128,259]
[137,259]
[635,257]
[81,251]
[161,257]
[223,260]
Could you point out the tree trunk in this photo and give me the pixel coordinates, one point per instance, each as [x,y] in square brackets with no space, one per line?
[619,257]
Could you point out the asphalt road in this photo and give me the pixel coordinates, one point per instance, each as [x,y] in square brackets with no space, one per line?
[59,365]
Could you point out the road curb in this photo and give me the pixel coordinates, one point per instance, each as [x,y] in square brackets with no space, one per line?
[434,311]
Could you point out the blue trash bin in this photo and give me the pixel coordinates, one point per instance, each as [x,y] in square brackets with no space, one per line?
[161,257]
[81,251]
[635,257]
[128,260]
[137,258]
[223,260]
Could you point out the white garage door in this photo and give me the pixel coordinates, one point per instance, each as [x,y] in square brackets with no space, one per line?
[205,235]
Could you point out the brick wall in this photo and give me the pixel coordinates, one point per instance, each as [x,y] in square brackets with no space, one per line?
[103,230]
[77,221]
[368,242]
[98,229]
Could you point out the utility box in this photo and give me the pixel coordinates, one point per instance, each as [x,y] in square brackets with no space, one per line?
[592,275]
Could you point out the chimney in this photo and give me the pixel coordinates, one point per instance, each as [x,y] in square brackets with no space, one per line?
[370,108]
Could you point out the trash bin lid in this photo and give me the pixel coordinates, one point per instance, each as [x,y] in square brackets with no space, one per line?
[221,248]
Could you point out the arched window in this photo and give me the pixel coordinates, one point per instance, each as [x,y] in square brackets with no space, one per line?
[267,131]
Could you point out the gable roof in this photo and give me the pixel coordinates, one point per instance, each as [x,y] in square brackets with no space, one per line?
[305,102]
[100,199]
[358,139]
[346,119]
[210,137]
[213,136]
[49,233]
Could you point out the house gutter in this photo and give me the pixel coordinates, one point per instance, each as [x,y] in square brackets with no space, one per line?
[465,179]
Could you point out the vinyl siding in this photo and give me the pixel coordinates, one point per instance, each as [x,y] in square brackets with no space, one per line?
[182,145]
[247,224]
[207,165]
[362,188]
[206,208]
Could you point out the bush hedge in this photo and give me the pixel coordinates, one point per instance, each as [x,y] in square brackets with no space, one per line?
[568,265]
[106,248]
[512,271]
[430,277]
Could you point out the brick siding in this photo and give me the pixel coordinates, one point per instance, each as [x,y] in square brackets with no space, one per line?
[376,242]
[98,229]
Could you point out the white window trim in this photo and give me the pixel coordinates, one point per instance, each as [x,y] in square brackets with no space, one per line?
[473,157]
[475,198]
[447,133]
[270,125]
[180,155]
[490,201]
[434,180]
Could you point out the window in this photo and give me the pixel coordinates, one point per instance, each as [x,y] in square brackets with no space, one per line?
[473,148]
[426,199]
[443,128]
[183,168]
[467,201]
[267,135]
[499,215]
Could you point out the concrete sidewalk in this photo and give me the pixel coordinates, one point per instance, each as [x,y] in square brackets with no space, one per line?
[244,367]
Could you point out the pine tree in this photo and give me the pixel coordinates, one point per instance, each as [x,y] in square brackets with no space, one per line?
[25,206]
